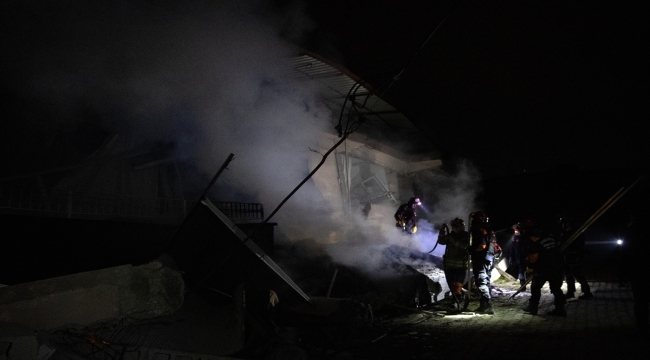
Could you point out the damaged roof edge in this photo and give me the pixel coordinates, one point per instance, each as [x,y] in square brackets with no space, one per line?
[384,155]
[423,165]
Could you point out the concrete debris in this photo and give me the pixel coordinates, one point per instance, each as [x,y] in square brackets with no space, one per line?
[93,297]
[18,344]
[336,311]
[45,352]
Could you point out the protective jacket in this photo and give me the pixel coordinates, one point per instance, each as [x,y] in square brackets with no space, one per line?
[544,256]
[456,255]
[405,216]
[482,254]
[518,251]
[481,246]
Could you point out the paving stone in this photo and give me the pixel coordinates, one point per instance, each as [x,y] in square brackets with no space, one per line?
[600,328]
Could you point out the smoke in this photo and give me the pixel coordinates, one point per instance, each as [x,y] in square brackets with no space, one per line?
[455,195]
[209,77]
[447,196]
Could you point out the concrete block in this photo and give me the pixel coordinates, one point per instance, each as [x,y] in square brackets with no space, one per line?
[18,344]
[93,297]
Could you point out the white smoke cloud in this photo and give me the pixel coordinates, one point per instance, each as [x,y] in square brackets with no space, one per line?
[205,75]
[451,195]
[208,76]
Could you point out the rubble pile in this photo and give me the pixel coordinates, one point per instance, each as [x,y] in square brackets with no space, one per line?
[93,297]
[215,295]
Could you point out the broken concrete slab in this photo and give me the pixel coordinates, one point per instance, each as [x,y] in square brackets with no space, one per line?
[83,299]
[197,327]
[18,344]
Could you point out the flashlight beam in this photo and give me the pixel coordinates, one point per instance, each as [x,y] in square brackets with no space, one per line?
[611,201]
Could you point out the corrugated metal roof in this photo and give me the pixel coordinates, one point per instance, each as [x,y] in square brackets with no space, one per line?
[335,85]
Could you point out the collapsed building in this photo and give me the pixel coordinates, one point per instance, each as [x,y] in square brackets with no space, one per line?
[115,238]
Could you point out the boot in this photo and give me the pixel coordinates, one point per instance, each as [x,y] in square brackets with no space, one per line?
[461,302]
[485,307]
[454,304]
[532,309]
[456,307]
[489,310]
[586,296]
[559,311]
[464,300]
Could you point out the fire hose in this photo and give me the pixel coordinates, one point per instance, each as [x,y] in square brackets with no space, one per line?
[611,201]
[444,229]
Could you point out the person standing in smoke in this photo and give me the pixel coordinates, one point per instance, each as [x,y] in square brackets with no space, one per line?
[406,216]
[573,255]
[518,256]
[456,258]
[545,264]
[481,251]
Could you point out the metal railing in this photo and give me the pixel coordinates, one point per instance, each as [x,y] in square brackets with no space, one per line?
[241,212]
[69,204]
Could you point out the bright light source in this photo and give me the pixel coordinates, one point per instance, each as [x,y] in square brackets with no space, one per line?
[619,242]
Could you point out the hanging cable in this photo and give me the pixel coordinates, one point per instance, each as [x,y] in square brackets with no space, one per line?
[354,121]
[417,52]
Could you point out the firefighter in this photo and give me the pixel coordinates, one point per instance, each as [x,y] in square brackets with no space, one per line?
[518,254]
[456,258]
[545,264]
[573,255]
[406,216]
[481,251]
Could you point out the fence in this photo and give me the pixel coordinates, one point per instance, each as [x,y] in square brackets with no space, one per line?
[241,212]
[71,204]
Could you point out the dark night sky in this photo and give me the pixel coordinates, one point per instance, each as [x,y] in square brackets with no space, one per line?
[547,99]
[512,85]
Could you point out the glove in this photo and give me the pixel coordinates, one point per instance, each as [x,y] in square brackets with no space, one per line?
[529,271]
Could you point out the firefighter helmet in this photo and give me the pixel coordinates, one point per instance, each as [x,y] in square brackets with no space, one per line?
[415,201]
[527,224]
[480,216]
[458,223]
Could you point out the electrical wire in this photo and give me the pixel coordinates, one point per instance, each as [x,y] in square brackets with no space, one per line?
[354,121]
[417,52]
[352,93]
